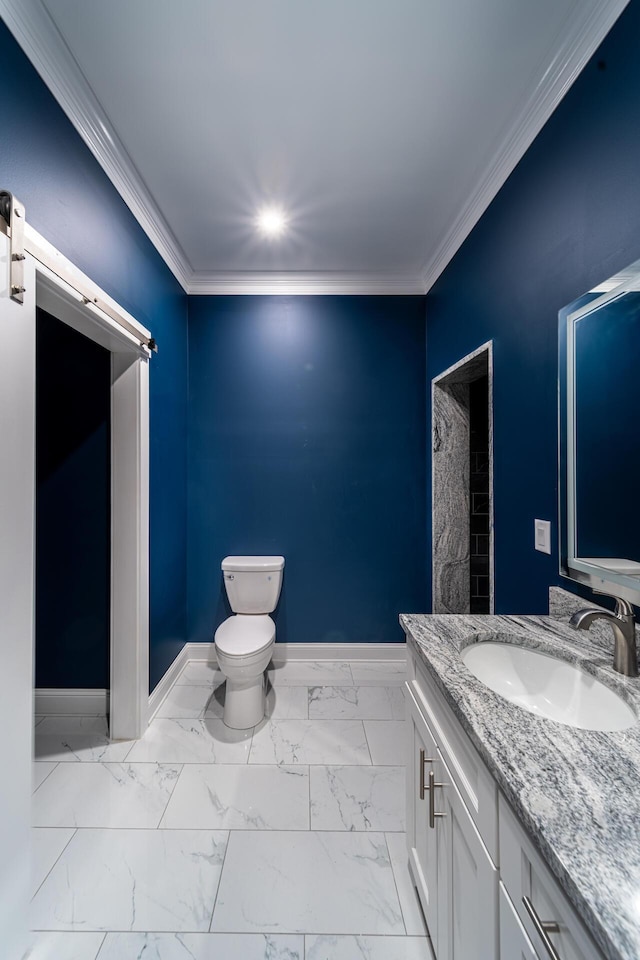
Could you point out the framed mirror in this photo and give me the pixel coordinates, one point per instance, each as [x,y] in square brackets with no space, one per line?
[599,394]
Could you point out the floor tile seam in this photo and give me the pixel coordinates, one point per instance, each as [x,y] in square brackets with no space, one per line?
[237,763]
[56,764]
[102,943]
[215,899]
[395,879]
[117,763]
[166,806]
[161,763]
[225,829]
[389,719]
[54,864]
[366,740]
[234,933]
[312,763]
[382,936]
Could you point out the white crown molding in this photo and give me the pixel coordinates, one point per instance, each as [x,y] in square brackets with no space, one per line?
[237,283]
[39,38]
[587,29]
[37,34]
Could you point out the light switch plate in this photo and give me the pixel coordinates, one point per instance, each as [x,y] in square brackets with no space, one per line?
[542,535]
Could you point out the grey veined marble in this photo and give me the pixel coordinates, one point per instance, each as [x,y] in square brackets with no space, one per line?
[576,791]
[563,604]
[451,481]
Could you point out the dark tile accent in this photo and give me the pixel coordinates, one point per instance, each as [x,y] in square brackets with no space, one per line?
[479,566]
[479,496]
[479,605]
[479,504]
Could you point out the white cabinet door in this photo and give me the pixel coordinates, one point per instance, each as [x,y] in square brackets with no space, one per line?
[421,838]
[514,942]
[528,880]
[467,927]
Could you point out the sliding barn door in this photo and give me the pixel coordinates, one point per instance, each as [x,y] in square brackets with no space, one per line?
[17,499]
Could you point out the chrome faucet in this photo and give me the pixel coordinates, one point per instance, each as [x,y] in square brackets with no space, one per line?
[623,624]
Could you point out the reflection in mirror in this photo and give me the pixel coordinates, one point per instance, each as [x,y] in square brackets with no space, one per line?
[600,452]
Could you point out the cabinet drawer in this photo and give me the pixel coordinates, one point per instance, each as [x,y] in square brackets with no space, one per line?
[476,785]
[525,875]
[514,942]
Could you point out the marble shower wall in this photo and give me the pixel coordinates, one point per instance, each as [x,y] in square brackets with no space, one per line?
[451,482]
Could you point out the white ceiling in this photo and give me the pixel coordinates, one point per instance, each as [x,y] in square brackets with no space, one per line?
[382,127]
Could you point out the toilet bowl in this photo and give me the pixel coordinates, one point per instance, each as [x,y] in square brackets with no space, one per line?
[244,642]
[244,645]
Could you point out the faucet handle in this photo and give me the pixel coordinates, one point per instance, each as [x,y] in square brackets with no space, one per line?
[623,607]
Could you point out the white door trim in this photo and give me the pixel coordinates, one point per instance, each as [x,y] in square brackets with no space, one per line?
[129,629]
[129,546]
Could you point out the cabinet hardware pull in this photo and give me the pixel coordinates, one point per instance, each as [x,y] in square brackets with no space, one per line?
[543,928]
[432,799]
[423,759]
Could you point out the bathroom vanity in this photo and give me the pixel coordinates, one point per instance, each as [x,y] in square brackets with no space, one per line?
[523,832]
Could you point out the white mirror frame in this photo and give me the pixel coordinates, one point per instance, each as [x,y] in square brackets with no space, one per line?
[579,568]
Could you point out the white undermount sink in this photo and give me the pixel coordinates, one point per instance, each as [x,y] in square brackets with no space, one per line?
[546,686]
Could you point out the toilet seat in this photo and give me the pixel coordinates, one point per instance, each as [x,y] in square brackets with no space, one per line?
[243,635]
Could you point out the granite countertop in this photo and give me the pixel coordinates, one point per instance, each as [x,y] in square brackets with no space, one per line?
[577,792]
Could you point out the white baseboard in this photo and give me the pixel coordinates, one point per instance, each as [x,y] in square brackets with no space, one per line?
[71,702]
[201,651]
[169,678]
[339,651]
[283,652]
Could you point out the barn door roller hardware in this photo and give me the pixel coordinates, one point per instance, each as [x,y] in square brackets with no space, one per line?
[13,212]
[22,236]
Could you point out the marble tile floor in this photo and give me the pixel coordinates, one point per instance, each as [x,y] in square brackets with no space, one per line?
[285,842]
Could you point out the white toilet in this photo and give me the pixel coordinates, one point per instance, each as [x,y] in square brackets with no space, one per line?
[244,642]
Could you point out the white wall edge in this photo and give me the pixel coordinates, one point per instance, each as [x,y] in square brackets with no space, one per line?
[71,702]
[585,36]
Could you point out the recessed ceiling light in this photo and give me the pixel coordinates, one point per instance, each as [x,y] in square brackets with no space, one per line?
[271,222]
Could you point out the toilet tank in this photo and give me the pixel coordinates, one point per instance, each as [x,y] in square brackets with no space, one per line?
[253,583]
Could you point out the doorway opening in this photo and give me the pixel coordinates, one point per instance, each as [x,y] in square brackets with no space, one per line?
[73,520]
[462,486]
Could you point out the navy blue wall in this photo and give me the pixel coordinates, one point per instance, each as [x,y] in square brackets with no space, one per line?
[568,217]
[73,204]
[306,420]
[73,529]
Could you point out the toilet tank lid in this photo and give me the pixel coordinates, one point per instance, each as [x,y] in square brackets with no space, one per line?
[253,564]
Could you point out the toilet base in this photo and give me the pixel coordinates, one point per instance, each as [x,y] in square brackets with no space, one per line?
[244,703]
